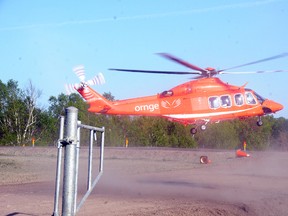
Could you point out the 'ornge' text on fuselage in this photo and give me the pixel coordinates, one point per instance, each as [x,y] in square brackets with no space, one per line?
[150,107]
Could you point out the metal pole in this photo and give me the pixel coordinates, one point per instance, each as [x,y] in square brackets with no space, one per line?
[70,144]
[90,159]
[102,149]
[58,170]
[77,164]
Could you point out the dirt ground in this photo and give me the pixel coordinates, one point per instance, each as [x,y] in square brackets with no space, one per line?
[150,181]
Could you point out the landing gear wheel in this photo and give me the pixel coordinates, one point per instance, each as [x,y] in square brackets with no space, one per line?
[203,127]
[259,123]
[193,131]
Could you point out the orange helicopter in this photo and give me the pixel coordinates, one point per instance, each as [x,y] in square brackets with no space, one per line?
[204,100]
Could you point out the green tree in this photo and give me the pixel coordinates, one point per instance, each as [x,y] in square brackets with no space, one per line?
[138,132]
[279,135]
[220,136]
[158,132]
[57,108]
[59,104]
[257,138]
[18,115]
[108,96]
[179,136]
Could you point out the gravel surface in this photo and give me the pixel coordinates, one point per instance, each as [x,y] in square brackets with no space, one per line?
[150,181]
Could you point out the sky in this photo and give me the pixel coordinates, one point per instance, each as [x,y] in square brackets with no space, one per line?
[43,40]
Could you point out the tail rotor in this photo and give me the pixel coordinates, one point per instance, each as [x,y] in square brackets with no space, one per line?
[97,80]
[79,70]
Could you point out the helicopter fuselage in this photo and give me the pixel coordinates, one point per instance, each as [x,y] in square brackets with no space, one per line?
[194,102]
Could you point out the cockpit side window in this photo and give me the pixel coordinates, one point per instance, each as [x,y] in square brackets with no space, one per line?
[167,93]
[250,98]
[225,101]
[239,99]
[214,102]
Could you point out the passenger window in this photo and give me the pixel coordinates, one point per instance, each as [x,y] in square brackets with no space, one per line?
[214,102]
[239,100]
[225,101]
[249,98]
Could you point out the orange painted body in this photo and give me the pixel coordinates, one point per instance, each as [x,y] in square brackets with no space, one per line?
[194,102]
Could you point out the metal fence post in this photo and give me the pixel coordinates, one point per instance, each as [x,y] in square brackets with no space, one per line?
[69,140]
[69,176]
[58,168]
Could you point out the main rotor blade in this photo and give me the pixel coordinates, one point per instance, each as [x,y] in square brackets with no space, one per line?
[157,72]
[182,62]
[256,62]
[254,72]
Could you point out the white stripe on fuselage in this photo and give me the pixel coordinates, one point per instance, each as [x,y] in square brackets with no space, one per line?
[206,115]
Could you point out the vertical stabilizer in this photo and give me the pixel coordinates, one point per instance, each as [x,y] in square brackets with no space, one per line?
[97,102]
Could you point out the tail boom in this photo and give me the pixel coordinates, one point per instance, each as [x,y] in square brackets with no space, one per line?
[97,102]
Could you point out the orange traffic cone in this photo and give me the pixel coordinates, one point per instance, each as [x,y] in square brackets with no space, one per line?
[204,160]
[240,153]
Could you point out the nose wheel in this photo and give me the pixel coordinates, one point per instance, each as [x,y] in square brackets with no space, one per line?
[259,122]
[203,127]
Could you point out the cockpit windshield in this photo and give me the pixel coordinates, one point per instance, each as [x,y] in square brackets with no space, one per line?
[259,98]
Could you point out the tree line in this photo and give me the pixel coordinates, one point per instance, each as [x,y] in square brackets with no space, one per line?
[22,120]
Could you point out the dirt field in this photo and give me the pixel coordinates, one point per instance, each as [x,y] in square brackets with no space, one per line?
[142,181]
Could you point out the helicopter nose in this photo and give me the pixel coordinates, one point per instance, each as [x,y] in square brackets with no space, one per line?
[270,106]
[278,106]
